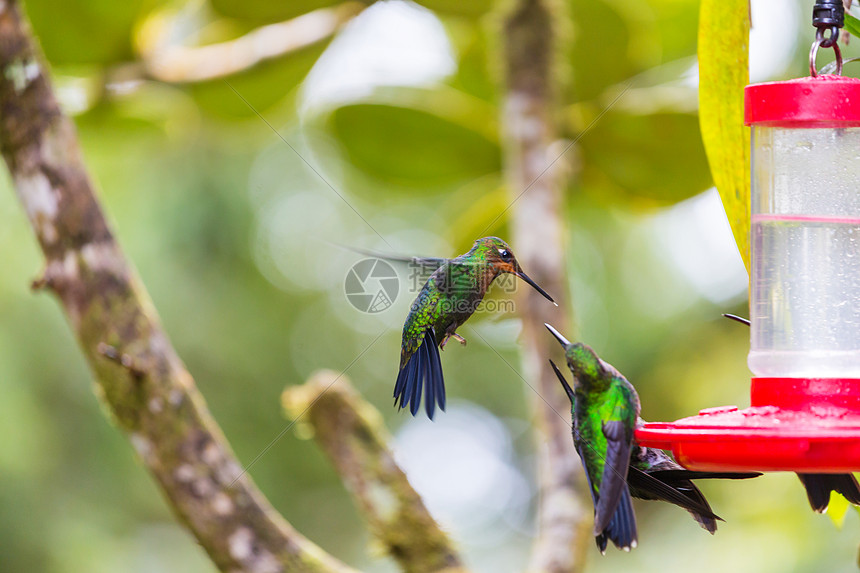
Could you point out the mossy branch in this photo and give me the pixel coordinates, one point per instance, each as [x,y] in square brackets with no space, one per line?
[536,181]
[351,432]
[139,376]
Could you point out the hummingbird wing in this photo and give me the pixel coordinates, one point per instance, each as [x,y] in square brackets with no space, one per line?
[613,484]
[428,264]
[669,475]
[678,491]
[819,486]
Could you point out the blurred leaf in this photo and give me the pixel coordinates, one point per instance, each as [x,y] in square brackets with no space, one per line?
[472,8]
[266,11]
[94,32]
[723,72]
[597,56]
[622,157]
[472,75]
[412,147]
[837,509]
[852,25]
[673,21]
[263,85]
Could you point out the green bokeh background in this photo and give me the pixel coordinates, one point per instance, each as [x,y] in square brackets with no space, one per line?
[236,235]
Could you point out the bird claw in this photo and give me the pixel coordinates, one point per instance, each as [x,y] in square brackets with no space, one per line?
[455,336]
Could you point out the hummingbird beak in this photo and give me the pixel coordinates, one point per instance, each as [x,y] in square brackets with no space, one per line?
[737,318]
[568,390]
[561,339]
[534,285]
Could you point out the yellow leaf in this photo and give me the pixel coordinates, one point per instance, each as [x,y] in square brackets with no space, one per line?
[837,508]
[723,72]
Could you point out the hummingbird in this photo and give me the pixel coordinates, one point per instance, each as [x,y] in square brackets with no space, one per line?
[447,300]
[604,408]
[651,473]
[819,486]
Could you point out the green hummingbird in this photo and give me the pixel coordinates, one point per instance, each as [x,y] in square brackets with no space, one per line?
[651,474]
[604,408]
[447,300]
[654,475]
[819,486]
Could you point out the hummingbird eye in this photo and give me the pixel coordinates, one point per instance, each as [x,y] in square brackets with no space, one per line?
[505,254]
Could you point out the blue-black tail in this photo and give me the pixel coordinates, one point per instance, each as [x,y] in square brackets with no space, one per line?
[422,371]
[621,530]
[819,486]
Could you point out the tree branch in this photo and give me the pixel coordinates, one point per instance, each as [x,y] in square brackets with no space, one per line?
[536,183]
[139,376]
[351,432]
[169,62]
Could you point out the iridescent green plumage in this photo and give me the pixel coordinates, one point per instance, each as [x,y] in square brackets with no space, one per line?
[448,298]
[605,411]
[604,407]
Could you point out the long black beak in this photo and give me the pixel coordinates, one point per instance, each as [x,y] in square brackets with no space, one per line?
[737,318]
[534,285]
[563,381]
[561,339]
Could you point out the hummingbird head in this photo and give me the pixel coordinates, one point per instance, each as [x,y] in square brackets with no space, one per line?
[501,259]
[586,365]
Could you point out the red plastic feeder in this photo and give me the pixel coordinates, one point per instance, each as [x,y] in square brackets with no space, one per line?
[804,292]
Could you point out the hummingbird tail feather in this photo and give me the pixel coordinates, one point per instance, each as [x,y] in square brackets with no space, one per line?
[819,486]
[422,373]
[435,380]
[622,529]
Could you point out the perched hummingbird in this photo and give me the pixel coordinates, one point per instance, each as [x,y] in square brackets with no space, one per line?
[604,408]
[819,486]
[651,474]
[447,300]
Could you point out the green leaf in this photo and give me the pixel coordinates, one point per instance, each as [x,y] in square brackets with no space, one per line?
[412,147]
[622,158]
[837,509]
[266,11]
[598,49]
[723,72]
[94,32]
[472,8]
[852,25]
[262,86]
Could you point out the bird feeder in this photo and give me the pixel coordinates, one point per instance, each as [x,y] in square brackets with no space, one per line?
[804,412]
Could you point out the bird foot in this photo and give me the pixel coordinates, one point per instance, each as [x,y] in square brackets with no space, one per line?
[455,336]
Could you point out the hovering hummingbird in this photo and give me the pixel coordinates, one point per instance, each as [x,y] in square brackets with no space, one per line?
[651,473]
[819,486]
[447,300]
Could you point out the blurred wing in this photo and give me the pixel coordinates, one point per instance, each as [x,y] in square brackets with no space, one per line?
[428,264]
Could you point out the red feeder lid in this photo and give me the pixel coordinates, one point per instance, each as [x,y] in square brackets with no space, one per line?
[805,425]
[804,102]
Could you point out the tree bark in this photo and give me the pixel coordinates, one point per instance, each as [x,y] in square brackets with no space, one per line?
[351,432]
[536,184]
[144,384]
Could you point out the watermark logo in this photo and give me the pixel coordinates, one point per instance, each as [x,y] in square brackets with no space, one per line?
[371,285]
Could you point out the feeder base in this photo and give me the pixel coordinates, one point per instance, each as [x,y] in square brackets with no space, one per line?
[800,425]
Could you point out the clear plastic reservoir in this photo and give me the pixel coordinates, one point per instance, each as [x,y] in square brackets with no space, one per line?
[805,239]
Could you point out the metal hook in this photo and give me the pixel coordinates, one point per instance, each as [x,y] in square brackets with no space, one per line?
[821,41]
